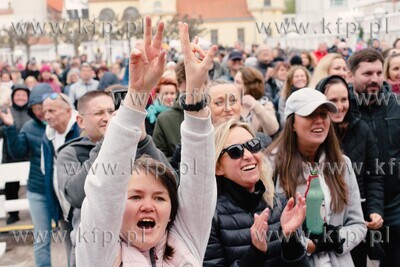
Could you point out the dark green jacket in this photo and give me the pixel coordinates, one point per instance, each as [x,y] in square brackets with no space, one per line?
[167,131]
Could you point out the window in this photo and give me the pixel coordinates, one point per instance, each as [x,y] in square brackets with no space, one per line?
[107,14]
[338,2]
[267,2]
[73,14]
[240,35]
[214,36]
[130,13]
[289,20]
[85,13]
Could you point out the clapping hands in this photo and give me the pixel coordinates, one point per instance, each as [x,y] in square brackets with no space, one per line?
[259,230]
[293,215]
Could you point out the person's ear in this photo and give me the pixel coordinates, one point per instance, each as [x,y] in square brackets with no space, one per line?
[79,121]
[219,170]
[350,77]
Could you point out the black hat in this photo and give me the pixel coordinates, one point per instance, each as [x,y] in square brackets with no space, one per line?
[322,83]
[296,60]
[17,87]
[235,55]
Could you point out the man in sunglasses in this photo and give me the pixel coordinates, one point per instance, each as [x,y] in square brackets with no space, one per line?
[61,128]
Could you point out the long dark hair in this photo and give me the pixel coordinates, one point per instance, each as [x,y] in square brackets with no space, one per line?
[289,164]
[341,128]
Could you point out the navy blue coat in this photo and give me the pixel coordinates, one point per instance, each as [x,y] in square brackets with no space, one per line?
[29,140]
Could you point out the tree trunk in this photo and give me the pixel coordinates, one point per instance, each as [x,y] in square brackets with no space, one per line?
[76,48]
[28,51]
[56,46]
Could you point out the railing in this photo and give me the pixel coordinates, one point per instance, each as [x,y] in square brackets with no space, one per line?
[12,172]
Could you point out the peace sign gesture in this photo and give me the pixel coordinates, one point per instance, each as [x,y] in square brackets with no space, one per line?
[146,65]
[196,69]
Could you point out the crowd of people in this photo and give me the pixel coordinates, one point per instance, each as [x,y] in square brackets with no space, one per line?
[213,157]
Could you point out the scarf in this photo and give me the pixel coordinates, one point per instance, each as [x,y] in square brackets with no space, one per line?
[155,109]
[395,85]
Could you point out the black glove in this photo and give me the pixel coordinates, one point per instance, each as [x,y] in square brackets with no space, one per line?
[329,240]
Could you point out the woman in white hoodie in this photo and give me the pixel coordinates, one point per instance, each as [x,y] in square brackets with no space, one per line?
[136,216]
[306,157]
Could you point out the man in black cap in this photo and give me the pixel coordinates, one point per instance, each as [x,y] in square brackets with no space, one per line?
[19,111]
[235,61]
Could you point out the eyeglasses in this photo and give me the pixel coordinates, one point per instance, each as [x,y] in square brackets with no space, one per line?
[237,151]
[53,96]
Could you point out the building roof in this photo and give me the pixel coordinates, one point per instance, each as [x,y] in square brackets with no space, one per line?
[6,11]
[56,5]
[214,9]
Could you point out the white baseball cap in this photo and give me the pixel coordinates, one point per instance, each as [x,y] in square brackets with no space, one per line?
[304,101]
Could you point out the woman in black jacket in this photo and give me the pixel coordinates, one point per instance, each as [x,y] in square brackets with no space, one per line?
[359,145]
[249,220]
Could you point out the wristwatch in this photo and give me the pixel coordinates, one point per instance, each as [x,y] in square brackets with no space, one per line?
[192,107]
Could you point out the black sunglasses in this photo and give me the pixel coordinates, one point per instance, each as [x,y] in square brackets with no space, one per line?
[236,151]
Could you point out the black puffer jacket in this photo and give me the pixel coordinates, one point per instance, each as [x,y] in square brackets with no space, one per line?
[360,146]
[230,240]
[358,143]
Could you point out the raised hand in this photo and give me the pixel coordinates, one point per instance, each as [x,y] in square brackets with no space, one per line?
[196,69]
[293,215]
[259,230]
[249,102]
[146,65]
[7,118]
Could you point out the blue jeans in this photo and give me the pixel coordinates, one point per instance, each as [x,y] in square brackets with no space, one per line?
[41,219]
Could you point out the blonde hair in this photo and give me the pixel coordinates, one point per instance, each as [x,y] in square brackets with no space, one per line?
[322,69]
[221,134]
[386,65]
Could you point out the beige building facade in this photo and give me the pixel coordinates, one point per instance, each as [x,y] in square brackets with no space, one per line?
[225,21]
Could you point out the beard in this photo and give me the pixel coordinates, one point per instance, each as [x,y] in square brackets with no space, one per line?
[370,92]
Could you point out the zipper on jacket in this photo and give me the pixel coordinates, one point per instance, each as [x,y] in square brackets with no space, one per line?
[152,258]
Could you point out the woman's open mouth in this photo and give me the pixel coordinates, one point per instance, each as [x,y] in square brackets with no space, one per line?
[146,223]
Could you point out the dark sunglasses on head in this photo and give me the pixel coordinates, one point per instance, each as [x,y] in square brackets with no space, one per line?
[236,151]
[53,96]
